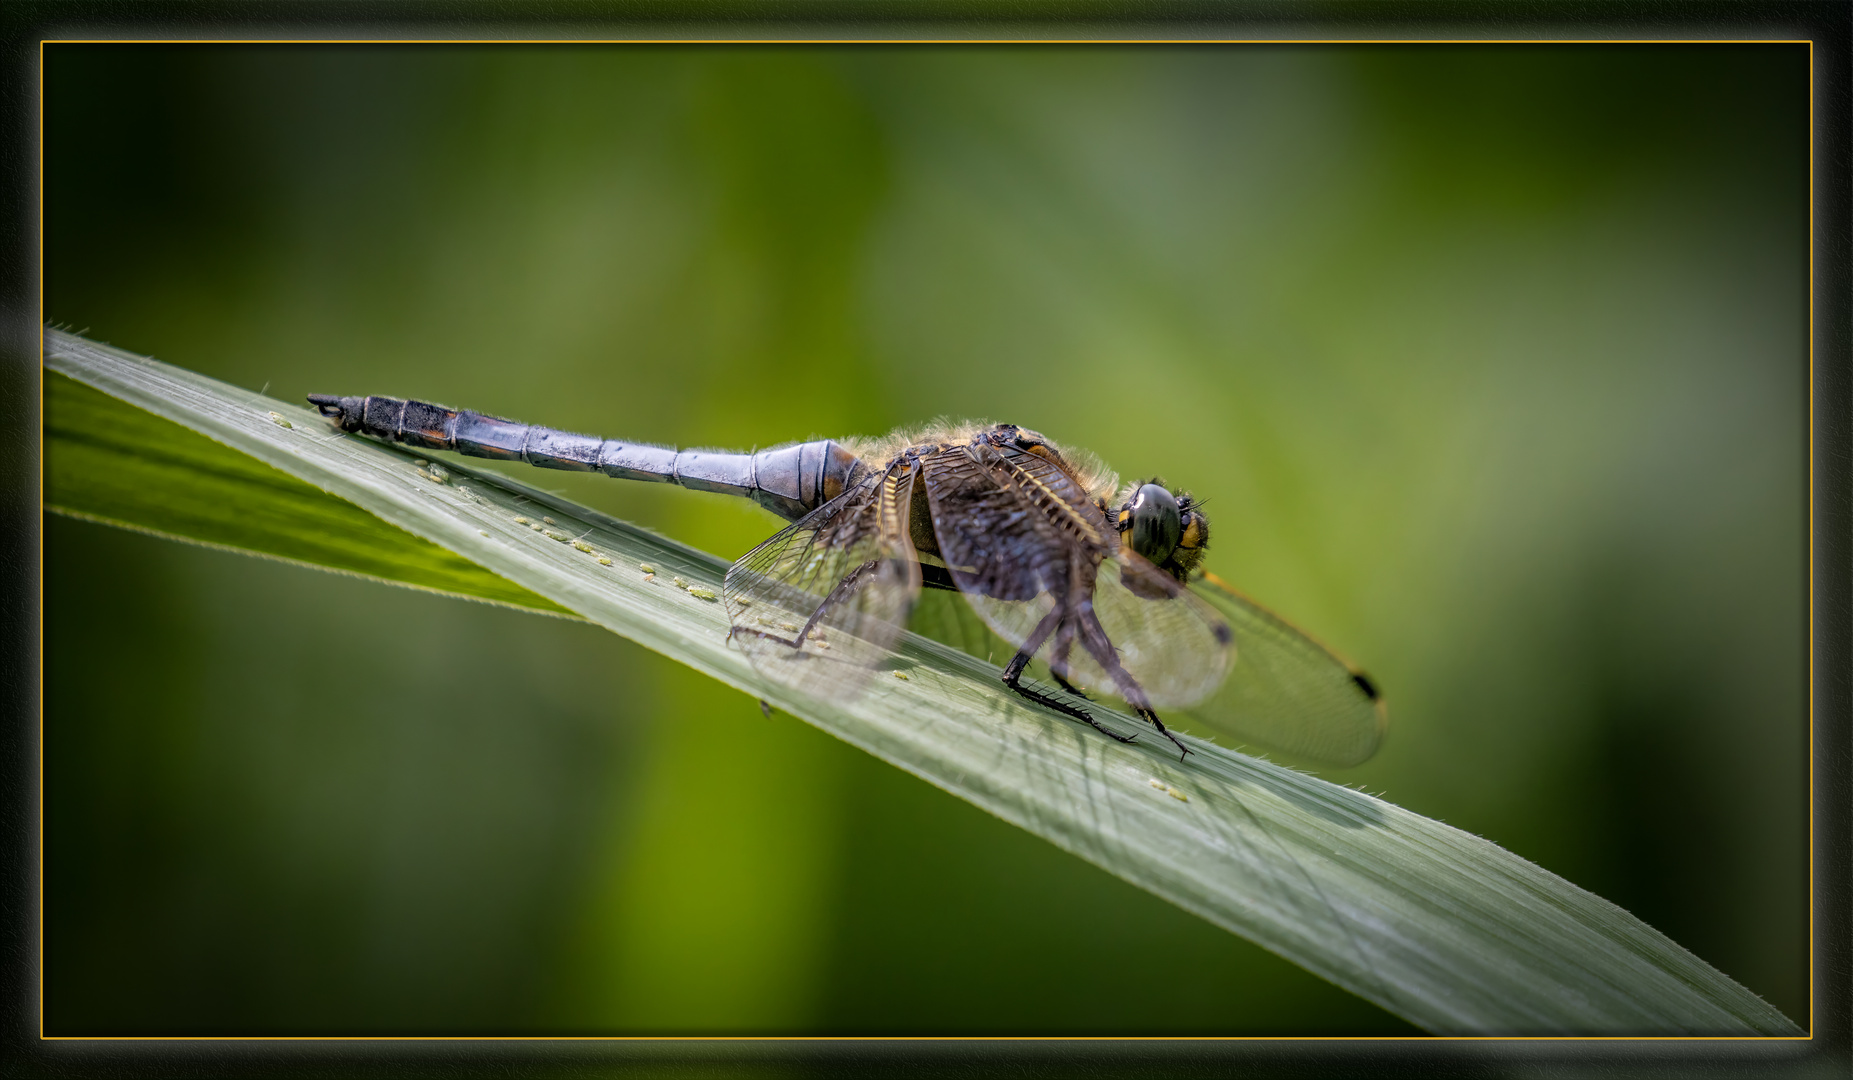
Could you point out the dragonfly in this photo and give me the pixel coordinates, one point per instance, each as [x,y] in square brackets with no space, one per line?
[1104,582]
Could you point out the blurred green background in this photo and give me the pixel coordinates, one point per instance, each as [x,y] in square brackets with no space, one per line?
[1491,361]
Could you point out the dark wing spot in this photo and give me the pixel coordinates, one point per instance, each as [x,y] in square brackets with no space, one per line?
[1364,684]
[1224,636]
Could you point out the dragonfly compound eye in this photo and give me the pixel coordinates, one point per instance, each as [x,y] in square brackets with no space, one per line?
[1157,526]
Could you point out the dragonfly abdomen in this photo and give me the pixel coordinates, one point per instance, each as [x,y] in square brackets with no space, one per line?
[790,481]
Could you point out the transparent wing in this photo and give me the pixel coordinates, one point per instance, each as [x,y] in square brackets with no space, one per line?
[1039,564]
[821,604]
[1007,558]
[1174,644]
[1286,691]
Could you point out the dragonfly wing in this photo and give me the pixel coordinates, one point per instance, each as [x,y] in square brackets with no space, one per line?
[1020,537]
[1286,691]
[1007,558]
[1175,645]
[821,604]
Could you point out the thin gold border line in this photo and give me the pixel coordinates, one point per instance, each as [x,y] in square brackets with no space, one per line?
[1811,623]
[927,1038]
[935,41]
[40,958]
[1813,90]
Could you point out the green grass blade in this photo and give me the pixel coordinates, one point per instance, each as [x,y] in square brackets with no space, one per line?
[1438,926]
[108,461]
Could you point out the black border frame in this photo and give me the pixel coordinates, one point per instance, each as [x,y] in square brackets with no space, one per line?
[1829,25]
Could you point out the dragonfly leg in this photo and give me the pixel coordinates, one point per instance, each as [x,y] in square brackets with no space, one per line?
[844,588]
[1094,637]
[747,631]
[1058,659]
[837,595]
[1013,675]
[1062,707]
[1146,713]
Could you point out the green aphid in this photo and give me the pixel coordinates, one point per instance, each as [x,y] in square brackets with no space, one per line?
[602,561]
[901,675]
[646,568]
[583,546]
[537,526]
[680,584]
[482,532]
[1169,790]
[548,520]
[560,536]
[700,592]
[438,473]
[277,419]
[523,521]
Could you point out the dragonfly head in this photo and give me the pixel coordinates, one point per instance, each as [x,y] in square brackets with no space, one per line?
[1167,529]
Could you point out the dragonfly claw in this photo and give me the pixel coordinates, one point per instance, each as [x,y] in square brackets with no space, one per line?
[1070,687]
[1152,717]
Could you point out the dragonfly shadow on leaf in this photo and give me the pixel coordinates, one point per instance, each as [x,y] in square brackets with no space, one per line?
[1337,805]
